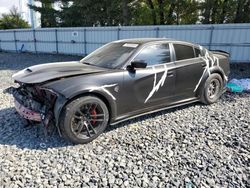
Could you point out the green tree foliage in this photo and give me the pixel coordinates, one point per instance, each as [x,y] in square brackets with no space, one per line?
[90,12]
[49,15]
[159,12]
[182,12]
[225,11]
[242,11]
[12,20]
[73,13]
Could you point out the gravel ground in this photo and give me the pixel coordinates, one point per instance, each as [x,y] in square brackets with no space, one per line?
[191,146]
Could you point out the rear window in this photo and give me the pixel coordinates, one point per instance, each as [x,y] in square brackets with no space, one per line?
[183,52]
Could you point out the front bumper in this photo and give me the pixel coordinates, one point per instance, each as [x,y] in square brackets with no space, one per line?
[25,106]
[27,113]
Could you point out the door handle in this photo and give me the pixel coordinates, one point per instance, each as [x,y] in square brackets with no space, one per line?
[170,74]
[203,64]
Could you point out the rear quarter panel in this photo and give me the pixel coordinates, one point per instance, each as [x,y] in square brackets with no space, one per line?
[223,62]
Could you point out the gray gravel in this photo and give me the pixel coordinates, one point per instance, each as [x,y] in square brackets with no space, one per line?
[191,146]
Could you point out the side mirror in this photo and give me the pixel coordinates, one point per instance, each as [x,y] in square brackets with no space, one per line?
[137,64]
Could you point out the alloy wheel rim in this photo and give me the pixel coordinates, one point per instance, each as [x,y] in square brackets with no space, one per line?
[87,120]
[213,88]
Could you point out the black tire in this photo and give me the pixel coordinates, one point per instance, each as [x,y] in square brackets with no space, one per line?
[77,123]
[212,89]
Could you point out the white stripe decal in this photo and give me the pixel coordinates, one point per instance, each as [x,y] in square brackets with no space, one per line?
[159,84]
[214,61]
[104,88]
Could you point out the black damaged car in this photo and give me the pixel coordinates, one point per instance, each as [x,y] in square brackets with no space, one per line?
[121,80]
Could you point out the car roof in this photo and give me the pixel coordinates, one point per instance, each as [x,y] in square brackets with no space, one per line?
[143,40]
[148,40]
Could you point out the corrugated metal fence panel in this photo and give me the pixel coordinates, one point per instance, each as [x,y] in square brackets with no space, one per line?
[137,32]
[96,37]
[25,41]
[233,38]
[71,48]
[71,41]
[7,38]
[45,35]
[9,46]
[240,54]
[6,35]
[68,35]
[197,34]
[45,40]
[231,33]
[46,47]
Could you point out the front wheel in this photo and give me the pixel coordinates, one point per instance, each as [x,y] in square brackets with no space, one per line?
[84,119]
[212,89]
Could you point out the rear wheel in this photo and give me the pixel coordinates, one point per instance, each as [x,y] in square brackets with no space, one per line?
[212,89]
[84,119]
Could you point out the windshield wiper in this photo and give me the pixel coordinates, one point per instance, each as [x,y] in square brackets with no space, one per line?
[87,63]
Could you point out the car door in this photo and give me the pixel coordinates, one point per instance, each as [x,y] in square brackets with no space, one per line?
[189,69]
[152,86]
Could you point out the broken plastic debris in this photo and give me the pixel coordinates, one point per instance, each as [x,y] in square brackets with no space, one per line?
[43,145]
[234,88]
[240,85]
[243,83]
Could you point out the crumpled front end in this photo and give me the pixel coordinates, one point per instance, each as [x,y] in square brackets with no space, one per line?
[27,113]
[33,102]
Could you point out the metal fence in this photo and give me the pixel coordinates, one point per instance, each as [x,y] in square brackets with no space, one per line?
[233,38]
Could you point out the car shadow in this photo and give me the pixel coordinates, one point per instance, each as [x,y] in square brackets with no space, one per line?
[14,132]
[226,97]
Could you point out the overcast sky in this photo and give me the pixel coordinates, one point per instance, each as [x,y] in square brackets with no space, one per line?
[5,5]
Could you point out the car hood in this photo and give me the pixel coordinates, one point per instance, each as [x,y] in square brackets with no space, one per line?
[51,71]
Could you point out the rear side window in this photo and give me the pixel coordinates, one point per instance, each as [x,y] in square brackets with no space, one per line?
[183,52]
[155,54]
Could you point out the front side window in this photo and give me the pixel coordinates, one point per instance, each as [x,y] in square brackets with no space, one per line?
[183,52]
[154,54]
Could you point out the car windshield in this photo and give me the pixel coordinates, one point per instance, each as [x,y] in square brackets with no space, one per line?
[112,55]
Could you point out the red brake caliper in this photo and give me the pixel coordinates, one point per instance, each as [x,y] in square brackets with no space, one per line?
[93,114]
